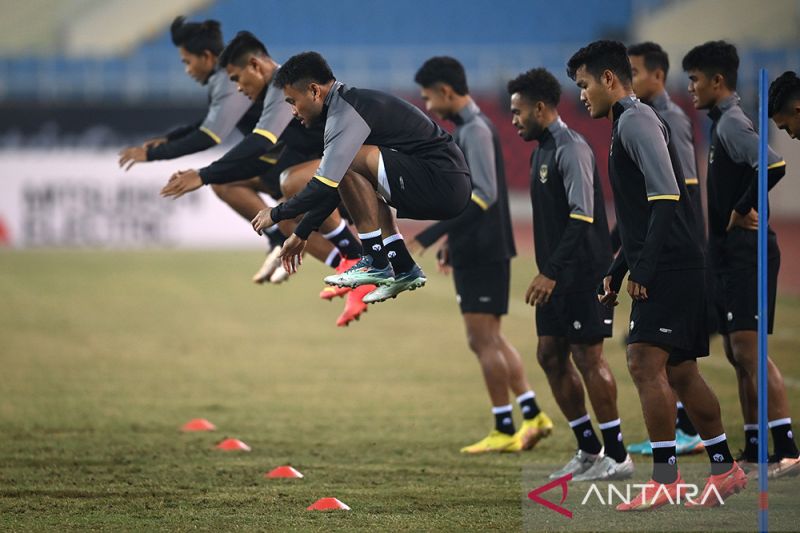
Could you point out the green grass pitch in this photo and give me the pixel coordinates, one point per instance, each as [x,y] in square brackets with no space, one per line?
[103,355]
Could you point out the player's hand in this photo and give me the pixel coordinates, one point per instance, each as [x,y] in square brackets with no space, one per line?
[262,220]
[415,247]
[292,253]
[609,296]
[748,221]
[540,290]
[130,156]
[182,182]
[443,260]
[154,142]
[637,291]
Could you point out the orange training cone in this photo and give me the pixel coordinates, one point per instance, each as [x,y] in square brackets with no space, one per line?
[283,472]
[198,424]
[233,445]
[328,504]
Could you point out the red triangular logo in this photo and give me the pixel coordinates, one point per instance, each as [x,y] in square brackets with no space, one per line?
[560,482]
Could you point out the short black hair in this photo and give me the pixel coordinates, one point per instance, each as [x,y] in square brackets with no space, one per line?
[600,56]
[443,69]
[305,66]
[784,90]
[654,56]
[537,85]
[241,47]
[197,37]
[712,58]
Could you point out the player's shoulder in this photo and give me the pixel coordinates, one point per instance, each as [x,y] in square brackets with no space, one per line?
[637,120]
[733,120]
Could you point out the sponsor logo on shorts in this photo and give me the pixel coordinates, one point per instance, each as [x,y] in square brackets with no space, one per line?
[402,183]
[458,298]
[607,321]
[485,299]
[632,324]
[730,316]
[665,330]
[577,325]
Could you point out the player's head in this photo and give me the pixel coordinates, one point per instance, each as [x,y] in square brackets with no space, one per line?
[244,60]
[602,70]
[199,44]
[442,82]
[713,69]
[649,67]
[784,103]
[305,79]
[534,97]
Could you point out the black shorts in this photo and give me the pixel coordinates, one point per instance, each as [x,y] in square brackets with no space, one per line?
[430,187]
[735,295]
[674,314]
[579,317]
[483,288]
[736,298]
[271,177]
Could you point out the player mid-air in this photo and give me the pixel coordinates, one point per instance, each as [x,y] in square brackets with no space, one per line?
[379,151]
[282,154]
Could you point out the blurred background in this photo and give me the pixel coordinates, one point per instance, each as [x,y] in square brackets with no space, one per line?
[80,79]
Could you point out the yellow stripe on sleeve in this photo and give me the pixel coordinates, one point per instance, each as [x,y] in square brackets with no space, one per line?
[477,199]
[326,181]
[211,134]
[776,165]
[692,181]
[268,134]
[584,218]
[269,160]
[674,197]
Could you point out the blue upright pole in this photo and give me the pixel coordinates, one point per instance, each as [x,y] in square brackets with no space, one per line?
[763,318]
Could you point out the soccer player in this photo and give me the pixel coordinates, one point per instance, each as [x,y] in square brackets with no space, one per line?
[664,255]
[375,144]
[650,65]
[732,221]
[480,245]
[784,103]
[573,250]
[199,45]
[278,146]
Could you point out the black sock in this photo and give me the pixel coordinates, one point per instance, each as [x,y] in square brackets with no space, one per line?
[719,454]
[345,241]
[503,422]
[275,236]
[665,462]
[612,439]
[334,258]
[373,247]
[398,254]
[683,423]
[584,433]
[751,442]
[527,404]
[783,438]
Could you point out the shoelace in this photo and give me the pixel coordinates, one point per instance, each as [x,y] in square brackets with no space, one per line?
[364,262]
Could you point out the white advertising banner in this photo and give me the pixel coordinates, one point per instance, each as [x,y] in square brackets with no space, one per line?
[80,198]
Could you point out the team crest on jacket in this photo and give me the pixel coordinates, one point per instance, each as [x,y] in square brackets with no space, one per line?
[543,173]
